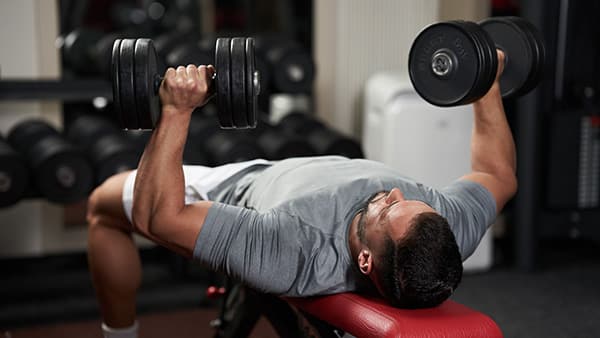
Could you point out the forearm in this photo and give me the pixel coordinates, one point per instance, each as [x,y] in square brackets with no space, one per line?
[159,185]
[492,146]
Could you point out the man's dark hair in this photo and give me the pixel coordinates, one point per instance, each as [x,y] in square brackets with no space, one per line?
[424,267]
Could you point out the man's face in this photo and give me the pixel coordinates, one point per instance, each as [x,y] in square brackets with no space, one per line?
[387,212]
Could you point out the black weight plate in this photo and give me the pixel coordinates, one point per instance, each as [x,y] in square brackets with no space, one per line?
[519,62]
[492,64]
[127,84]
[114,73]
[238,82]
[454,88]
[539,53]
[223,82]
[482,61]
[26,134]
[146,70]
[488,64]
[62,173]
[14,175]
[252,91]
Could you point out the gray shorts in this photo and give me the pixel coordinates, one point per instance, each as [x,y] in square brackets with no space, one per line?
[199,181]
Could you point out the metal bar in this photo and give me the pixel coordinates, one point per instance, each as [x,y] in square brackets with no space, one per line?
[66,91]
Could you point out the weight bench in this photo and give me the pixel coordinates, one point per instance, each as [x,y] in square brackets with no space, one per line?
[362,316]
[357,315]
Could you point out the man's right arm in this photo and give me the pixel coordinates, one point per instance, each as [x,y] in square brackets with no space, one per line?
[493,155]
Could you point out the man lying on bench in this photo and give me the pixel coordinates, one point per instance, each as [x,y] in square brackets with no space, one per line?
[297,227]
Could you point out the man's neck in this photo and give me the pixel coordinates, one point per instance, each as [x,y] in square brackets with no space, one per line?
[353,241]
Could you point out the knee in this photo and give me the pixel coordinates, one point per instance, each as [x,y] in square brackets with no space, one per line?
[94,209]
[105,201]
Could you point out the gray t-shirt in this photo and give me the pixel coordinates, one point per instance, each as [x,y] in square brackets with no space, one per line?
[283,229]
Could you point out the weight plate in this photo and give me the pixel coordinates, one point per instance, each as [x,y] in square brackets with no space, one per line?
[62,173]
[252,91]
[492,54]
[146,69]
[238,82]
[539,53]
[26,134]
[488,61]
[115,74]
[518,52]
[477,90]
[223,66]
[14,175]
[127,84]
[444,63]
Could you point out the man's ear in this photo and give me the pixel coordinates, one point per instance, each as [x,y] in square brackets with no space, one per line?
[365,261]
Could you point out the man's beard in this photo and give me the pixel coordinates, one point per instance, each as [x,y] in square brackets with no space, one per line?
[362,220]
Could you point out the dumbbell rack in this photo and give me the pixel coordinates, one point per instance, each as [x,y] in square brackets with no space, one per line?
[63,90]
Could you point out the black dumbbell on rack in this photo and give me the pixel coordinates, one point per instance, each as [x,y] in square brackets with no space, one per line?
[136,81]
[323,139]
[108,149]
[453,63]
[61,172]
[14,175]
[87,51]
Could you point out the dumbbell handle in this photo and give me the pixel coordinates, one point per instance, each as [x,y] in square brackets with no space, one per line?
[158,79]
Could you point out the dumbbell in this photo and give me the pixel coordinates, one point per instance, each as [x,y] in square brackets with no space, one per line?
[14,175]
[109,151]
[291,67]
[455,62]
[219,147]
[323,139]
[136,82]
[61,172]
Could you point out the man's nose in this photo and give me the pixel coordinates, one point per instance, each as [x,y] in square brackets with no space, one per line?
[394,195]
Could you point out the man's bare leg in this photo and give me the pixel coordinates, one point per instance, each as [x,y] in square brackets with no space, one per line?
[113,257]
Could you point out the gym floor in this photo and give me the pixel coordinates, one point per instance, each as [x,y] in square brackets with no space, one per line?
[52,297]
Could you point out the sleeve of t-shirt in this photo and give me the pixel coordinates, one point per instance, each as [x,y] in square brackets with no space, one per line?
[470,209]
[246,245]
